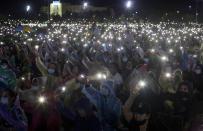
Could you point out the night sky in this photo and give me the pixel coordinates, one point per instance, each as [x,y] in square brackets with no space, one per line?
[17,7]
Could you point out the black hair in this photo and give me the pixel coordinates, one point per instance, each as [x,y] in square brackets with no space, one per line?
[10,92]
[141,108]
[184,83]
[4,61]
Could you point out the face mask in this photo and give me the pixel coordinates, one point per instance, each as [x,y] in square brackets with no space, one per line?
[104,91]
[137,72]
[55,52]
[4,100]
[4,66]
[168,69]
[146,60]
[198,72]
[34,87]
[51,71]
[105,60]
[125,59]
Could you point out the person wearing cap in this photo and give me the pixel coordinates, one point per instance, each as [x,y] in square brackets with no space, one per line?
[137,117]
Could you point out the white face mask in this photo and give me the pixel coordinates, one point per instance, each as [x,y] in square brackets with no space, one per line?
[35,87]
[4,66]
[198,72]
[55,52]
[104,91]
[4,100]
[146,60]
[125,59]
[51,71]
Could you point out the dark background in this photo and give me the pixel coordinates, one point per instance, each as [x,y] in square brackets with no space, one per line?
[17,7]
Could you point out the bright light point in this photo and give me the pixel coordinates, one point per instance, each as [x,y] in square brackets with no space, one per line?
[195,56]
[104,76]
[129,4]
[99,75]
[168,75]
[164,58]
[28,8]
[85,45]
[41,99]
[142,83]
[181,47]
[63,88]
[62,49]
[171,50]
[85,4]
[82,76]
[64,42]
[23,78]
[36,47]
[152,50]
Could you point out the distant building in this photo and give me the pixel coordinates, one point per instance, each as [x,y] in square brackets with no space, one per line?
[58,8]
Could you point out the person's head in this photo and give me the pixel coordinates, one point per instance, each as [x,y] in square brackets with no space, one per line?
[106,88]
[141,112]
[4,64]
[8,97]
[198,70]
[183,87]
[52,69]
[35,82]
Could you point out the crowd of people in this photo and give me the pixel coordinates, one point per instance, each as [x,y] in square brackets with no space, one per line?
[90,76]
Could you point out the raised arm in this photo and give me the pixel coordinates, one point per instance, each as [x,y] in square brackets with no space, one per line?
[92,94]
[40,65]
[128,114]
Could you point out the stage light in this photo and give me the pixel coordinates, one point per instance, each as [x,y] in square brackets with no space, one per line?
[85,5]
[28,8]
[128,4]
